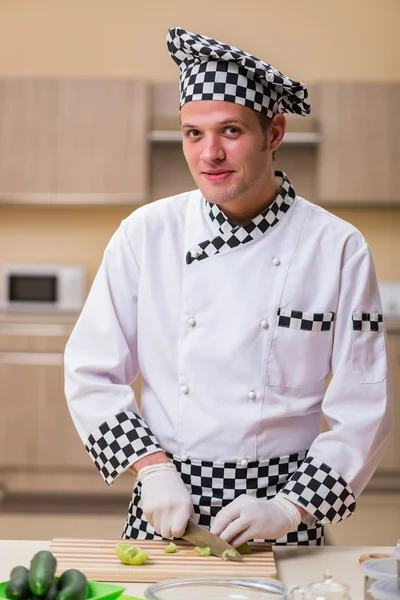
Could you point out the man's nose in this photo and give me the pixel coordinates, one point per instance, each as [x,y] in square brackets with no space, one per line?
[212,150]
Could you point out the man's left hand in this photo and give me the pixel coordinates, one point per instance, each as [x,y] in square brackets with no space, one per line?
[247,518]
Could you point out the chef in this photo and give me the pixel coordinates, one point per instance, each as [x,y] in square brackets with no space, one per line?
[237,302]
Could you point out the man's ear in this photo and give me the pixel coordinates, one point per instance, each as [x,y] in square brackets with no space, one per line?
[277,131]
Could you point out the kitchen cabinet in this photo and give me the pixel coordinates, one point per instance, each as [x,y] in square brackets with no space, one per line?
[359,149]
[36,429]
[74,141]
[40,449]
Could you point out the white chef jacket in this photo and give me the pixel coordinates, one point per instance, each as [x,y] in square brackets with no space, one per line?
[222,380]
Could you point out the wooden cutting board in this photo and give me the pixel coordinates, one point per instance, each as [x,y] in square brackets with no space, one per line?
[97,559]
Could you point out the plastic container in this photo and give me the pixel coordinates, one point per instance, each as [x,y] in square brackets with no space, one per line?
[97,591]
[378,569]
[385,589]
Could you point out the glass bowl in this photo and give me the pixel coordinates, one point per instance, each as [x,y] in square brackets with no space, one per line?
[216,588]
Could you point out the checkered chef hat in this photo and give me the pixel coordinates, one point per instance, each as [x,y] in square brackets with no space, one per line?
[212,70]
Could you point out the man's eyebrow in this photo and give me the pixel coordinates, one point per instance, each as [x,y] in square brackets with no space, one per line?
[224,122]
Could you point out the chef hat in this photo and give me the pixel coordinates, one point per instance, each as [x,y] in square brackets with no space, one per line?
[212,70]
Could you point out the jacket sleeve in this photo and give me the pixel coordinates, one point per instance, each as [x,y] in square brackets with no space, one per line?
[101,361]
[357,405]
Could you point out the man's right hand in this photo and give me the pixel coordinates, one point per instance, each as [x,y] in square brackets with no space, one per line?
[165,501]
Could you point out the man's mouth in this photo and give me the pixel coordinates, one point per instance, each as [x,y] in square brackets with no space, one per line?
[217,174]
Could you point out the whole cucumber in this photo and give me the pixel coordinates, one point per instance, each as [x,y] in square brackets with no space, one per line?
[41,572]
[18,585]
[72,585]
[51,593]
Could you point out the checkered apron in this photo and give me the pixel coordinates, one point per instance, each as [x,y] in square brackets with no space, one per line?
[214,485]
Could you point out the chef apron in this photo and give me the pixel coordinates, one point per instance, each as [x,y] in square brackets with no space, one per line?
[214,485]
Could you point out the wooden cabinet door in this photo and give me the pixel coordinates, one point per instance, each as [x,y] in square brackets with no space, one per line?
[36,430]
[359,149]
[64,137]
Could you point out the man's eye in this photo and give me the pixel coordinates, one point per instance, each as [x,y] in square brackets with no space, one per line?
[193,133]
[232,130]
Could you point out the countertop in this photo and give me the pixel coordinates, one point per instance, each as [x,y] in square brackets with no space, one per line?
[296,564]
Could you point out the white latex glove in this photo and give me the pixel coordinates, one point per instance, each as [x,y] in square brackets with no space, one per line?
[165,501]
[246,518]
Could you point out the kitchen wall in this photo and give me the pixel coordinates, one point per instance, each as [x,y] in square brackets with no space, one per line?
[345,39]
[80,235]
[311,40]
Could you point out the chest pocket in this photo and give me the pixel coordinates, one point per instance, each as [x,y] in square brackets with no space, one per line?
[300,353]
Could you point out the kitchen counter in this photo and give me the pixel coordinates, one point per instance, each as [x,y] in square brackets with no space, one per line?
[15,317]
[299,564]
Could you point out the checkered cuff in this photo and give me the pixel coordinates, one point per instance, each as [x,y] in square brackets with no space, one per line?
[120,442]
[321,491]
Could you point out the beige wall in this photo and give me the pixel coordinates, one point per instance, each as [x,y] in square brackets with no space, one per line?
[310,40]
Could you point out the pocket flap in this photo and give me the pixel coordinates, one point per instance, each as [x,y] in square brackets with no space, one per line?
[307,321]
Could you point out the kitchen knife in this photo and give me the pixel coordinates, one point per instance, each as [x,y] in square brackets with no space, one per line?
[198,536]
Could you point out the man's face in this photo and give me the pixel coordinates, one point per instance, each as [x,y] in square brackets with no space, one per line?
[225,149]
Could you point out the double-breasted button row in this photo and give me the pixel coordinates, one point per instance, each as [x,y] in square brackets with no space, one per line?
[192,322]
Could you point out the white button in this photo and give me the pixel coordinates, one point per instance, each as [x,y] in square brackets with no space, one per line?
[244,462]
[184,458]
[192,321]
[252,395]
[194,253]
[184,389]
[276,261]
[264,324]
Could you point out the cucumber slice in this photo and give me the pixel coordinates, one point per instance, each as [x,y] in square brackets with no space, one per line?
[129,554]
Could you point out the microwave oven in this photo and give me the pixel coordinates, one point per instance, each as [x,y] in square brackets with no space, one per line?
[42,288]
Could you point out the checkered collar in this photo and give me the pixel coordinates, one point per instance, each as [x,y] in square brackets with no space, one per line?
[231,235]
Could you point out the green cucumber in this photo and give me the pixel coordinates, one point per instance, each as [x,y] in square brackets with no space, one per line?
[51,593]
[72,585]
[41,572]
[18,585]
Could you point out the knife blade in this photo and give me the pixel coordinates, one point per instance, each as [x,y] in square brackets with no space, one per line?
[198,536]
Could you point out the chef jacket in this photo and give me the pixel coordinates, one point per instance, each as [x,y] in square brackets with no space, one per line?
[235,331]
